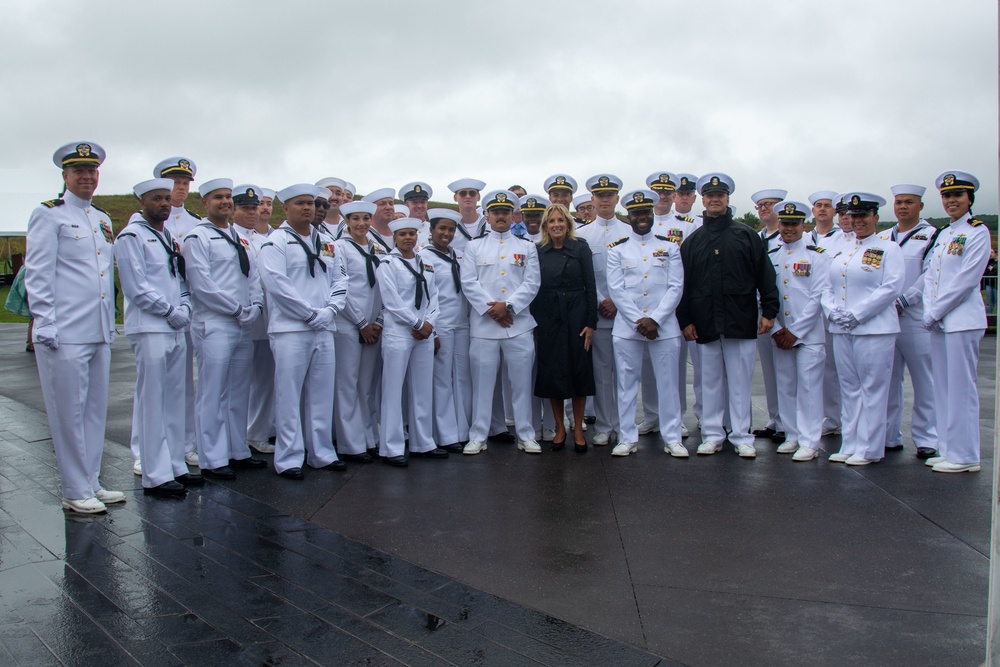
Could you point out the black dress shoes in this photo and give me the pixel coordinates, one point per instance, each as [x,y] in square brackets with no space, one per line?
[336,465]
[396,461]
[506,436]
[249,462]
[363,457]
[454,448]
[190,479]
[222,472]
[763,432]
[292,473]
[925,452]
[590,419]
[169,489]
[436,453]
[893,448]
[778,437]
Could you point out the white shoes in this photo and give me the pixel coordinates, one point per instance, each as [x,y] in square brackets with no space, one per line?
[601,439]
[474,447]
[85,506]
[746,451]
[624,449]
[934,460]
[709,448]
[858,460]
[948,466]
[676,449]
[110,497]
[648,427]
[837,457]
[548,435]
[805,454]
[191,458]
[262,446]
[526,446]
[137,467]
[788,447]
[684,431]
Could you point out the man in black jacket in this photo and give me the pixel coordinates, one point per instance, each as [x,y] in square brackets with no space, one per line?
[726,267]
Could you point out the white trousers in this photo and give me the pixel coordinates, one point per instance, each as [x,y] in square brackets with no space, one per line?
[956,356]
[74,382]
[452,388]
[304,364]
[726,372]
[160,360]
[913,350]
[357,372]
[407,367]
[831,386]
[864,364]
[629,357]
[224,351]
[518,355]
[261,410]
[765,350]
[650,399]
[606,382]
[800,392]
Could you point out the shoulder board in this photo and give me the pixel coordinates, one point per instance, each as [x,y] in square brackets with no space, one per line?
[264,245]
[521,236]
[96,207]
[773,250]
[816,248]
[193,215]
[662,238]
[684,218]
[53,203]
[885,236]
[618,242]
[975,222]
[581,222]
[123,234]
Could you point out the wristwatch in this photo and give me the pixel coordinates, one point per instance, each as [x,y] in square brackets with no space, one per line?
[510,307]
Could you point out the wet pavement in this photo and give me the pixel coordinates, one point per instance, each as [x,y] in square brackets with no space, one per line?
[501,558]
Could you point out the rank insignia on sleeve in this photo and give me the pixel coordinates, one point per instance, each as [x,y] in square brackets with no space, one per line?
[803,269]
[872,258]
[519,259]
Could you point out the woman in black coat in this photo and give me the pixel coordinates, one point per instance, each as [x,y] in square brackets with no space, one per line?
[566,314]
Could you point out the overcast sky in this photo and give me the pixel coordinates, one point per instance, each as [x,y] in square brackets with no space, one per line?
[841,95]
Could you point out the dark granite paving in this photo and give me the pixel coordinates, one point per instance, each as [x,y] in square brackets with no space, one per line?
[501,558]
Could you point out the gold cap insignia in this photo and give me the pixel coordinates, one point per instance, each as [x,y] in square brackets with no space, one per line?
[715,180]
[184,164]
[251,193]
[949,179]
[855,200]
[638,198]
[417,189]
[532,202]
[560,180]
[664,178]
[684,180]
[83,150]
[789,208]
[603,181]
[501,198]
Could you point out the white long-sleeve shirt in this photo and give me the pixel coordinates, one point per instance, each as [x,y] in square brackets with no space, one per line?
[151,279]
[951,282]
[398,286]
[645,279]
[865,278]
[500,267]
[219,290]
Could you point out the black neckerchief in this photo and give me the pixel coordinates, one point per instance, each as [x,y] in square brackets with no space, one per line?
[421,282]
[451,259]
[460,226]
[174,259]
[378,238]
[895,234]
[241,252]
[371,261]
[313,257]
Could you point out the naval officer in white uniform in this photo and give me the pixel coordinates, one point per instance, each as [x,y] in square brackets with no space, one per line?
[826,233]
[69,278]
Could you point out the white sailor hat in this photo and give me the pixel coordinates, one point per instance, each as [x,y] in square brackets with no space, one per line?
[448,213]
[530,202]
[686,182]
[359,206]
[773,193]
[297,190]
[953,179]
[820,195]
[245,194]
[415,190]
[466,184]
[908,189]
[349,187]
[604,183]
[862,202]
[716,182]
[662,180]
[405,223]
[792,212]
[215,184]
[381,193]
[582,199]
[401,208]
[331,181]
[175,166]
[500,199]
[560,182]
[267,193]
[321,192]
[78,152]
[152,184]
[639,199]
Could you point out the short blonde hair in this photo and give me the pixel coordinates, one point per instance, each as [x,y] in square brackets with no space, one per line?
[570,223]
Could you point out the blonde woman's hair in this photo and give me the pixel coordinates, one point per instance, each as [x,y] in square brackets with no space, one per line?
[570,223]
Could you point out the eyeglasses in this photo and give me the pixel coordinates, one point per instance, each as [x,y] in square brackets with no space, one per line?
[468,193]
[764,204]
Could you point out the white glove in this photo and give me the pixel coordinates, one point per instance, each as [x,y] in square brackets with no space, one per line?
[178,318]
[849,321]
[839,316]
[47,336]
[931,324]
[321,319]
[248,315]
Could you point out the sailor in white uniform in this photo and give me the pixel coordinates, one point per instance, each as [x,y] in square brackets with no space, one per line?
[157,317]
[473,224]
[686,224]
[956,317]
[560,189]
[500,278]
[69,278]
[798,338]
[226,299]
[385,212]
[261,432]
[645,280]
[825,233]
